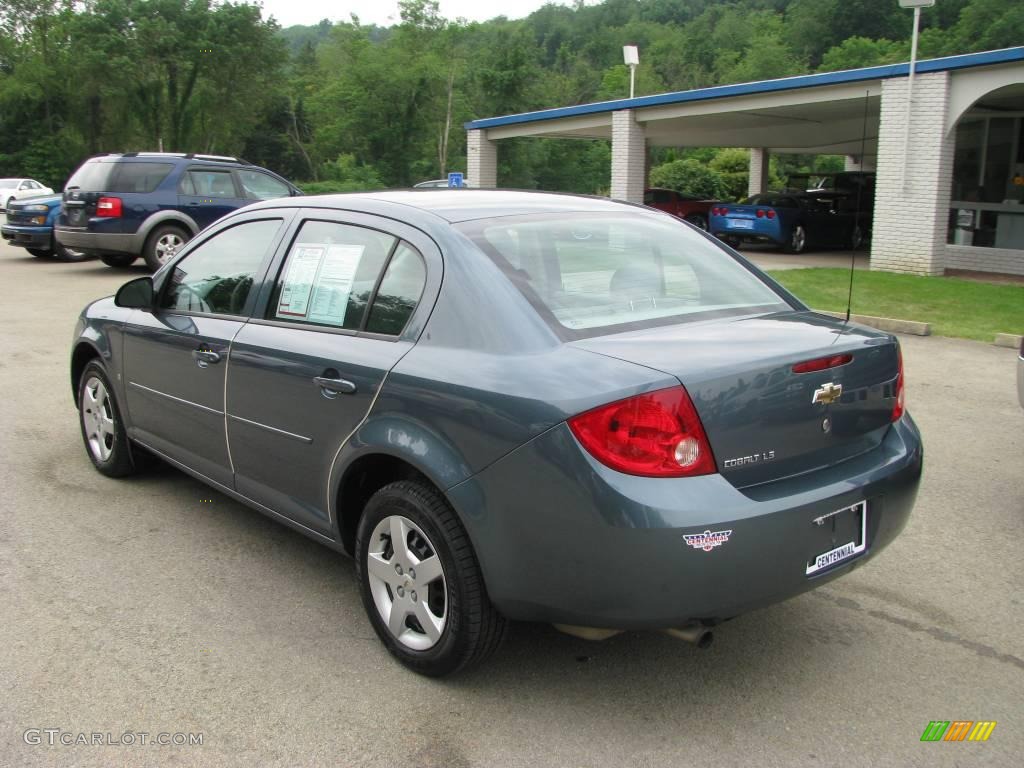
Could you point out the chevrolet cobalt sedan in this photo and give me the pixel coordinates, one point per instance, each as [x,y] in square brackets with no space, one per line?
[509,406]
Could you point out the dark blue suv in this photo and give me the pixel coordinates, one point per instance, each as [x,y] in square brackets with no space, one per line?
[148,204]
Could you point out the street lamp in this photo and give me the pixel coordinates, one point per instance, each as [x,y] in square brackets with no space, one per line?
[917,5]
[631,56]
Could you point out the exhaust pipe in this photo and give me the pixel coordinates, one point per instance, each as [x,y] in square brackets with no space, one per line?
[699,635]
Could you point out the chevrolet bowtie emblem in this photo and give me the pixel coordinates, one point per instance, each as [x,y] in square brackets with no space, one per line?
[827,394]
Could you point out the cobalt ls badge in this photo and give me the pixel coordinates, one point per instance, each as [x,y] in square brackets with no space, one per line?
[707,540]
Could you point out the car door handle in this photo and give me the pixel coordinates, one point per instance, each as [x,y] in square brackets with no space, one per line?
[331,388]
[205,357]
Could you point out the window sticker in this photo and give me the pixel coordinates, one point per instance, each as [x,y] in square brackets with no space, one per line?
[298,282]
[319,282]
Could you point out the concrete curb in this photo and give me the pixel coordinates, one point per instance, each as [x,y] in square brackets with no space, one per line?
[889,324]
[1011,340]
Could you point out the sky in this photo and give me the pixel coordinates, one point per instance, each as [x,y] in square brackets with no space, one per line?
[385,12]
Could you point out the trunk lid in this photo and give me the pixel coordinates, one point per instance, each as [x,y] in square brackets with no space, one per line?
[761,418]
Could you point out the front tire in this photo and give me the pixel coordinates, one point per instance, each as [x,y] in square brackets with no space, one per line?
[64,253]
[161,245]
[118,260]
[99,416]
[421,584]
[698,220]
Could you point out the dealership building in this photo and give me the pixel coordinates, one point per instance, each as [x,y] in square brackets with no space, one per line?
[947,147]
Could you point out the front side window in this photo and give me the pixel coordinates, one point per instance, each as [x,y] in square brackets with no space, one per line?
[217,277]
[329,275]
[262,186]
[588,274]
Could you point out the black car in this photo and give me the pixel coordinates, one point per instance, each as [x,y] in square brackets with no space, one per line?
[122,206]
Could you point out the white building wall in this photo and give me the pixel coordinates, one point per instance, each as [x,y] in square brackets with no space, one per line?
[629,157]
[481,160]
[758,181]
[974,259]
[912,213]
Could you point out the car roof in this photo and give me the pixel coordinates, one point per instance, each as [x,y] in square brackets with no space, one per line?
[462,204]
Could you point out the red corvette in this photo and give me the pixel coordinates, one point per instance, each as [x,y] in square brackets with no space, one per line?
[688,207]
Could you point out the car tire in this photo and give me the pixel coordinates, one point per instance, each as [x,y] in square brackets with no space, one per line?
[64,253]
[698,220]
[7,205]
[732,242]
[118,260]
[464,627]
[99,417]
[163,242]
[40,253]
[797,240]
[856,238]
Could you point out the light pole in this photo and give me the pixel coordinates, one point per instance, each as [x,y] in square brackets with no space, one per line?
[631,55]
[917,5]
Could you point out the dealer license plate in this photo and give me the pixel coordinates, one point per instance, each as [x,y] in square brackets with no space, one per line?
[844,532]
[741,223]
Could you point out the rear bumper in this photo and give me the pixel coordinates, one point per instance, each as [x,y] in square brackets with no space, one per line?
[95,243]
[28,237]
[564,539]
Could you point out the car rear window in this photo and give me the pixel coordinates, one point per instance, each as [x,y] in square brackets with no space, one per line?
[138,177]
[591,274]
[91,176]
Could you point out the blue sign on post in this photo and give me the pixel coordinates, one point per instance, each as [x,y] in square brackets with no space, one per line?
[455,180]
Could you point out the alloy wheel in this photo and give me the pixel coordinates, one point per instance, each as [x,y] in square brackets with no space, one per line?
[167,245]
[98,418]
[407,582]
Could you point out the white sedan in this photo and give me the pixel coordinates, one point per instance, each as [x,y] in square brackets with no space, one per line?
[15,189]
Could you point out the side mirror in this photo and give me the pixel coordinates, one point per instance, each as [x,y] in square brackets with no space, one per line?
[136,294]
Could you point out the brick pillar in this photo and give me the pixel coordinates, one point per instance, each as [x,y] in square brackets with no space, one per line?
[912,211]
[758,171]
[629,157]
[481,160]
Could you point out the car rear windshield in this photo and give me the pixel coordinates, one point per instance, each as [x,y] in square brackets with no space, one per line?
[776,201]
[118,176]
[591,274]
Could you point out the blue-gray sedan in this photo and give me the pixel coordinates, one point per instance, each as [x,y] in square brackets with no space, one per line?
[509,405]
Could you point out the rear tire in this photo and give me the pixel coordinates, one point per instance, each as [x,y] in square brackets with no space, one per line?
[40,253]
[163,242]
[797,240]
[462,626]
[118,260]
[99,417]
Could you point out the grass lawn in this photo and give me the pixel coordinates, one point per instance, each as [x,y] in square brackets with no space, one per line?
[954,307]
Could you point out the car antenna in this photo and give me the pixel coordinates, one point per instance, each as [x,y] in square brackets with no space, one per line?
[860,196]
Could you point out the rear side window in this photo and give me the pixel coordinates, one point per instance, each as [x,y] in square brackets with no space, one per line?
[138,177]
[204,183]
[590,274]
[92,176]
[399,292]
[329,275]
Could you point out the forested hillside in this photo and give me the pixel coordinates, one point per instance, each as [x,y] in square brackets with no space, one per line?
[351,106]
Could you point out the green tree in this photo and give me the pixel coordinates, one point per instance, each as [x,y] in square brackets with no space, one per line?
[690,177]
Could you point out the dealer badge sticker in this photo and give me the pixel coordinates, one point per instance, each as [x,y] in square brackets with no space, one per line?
[707,540]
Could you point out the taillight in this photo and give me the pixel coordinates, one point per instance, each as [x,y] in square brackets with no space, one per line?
[897,408]
[719,211]
[770,213]
[109,207]
[658,434]
[760,213]
[822,363]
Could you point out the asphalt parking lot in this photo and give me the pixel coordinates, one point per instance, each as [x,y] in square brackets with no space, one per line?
[157,605]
